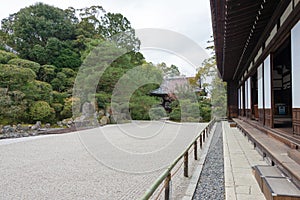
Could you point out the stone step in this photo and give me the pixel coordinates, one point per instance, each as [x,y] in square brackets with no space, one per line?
[274,150]
[295,155]
[274,184]
[280,188]
[261,171]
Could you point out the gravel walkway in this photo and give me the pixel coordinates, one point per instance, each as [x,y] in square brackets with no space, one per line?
[211,181]
[111,162]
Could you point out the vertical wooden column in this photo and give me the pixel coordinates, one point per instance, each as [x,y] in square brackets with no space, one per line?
[195,150]
[186,164]
[201,140]
[167,187]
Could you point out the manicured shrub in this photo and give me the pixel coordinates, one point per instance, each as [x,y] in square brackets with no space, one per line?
[41,111]
[6,56]
[13,77]
[175,115]
[157,113]
[26,64]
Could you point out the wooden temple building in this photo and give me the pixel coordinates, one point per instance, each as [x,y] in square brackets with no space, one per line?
[169,87]
[257,44]
[258,54]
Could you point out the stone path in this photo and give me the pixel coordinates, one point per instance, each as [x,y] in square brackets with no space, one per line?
[239,156]
[111,162]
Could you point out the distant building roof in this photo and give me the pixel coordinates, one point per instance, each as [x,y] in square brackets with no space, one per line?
[171,84]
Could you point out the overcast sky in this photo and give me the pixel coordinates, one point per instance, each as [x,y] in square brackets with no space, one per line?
[190,19]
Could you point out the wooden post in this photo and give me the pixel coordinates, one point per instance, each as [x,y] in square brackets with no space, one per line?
[186,164]
[167,187]
[201,140]
[195,150]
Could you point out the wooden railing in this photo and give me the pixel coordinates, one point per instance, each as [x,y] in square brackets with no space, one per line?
[166,176]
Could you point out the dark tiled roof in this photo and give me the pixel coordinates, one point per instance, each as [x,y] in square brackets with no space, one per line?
[170,85]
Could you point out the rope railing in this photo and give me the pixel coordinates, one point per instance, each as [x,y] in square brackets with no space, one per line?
[166,176]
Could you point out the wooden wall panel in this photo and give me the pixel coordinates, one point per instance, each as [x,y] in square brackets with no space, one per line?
[233,111]
[296,121]
[232,100]
[261,117]
[248,113]
[268,118]
[241,112]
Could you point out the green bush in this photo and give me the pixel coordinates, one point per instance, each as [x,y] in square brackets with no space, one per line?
[37,91]
[6,56]
[41,111]
[102,99]
[59,97]
[189,110]
[58,107]
[140,106]
[68,72]
[26,64]
[157,113]
[14,77]
[13,106]
[175,115]
[47,73]
[67,111]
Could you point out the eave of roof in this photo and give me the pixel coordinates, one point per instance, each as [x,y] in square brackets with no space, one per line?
[237,26]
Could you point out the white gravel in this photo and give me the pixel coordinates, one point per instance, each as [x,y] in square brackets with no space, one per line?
[111,162]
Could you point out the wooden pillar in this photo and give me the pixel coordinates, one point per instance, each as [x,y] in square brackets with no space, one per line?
[167,187]
[186,164]
[195,150]
[201,140]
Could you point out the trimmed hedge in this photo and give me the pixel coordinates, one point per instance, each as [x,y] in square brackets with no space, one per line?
[26,64]
[6,56]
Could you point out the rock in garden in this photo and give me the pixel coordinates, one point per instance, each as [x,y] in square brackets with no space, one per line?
[59,123]
[37,126]
[25,134]
[19,127]
[48,125]
[7,129]
[104,120]
[34,127]
[101,112]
